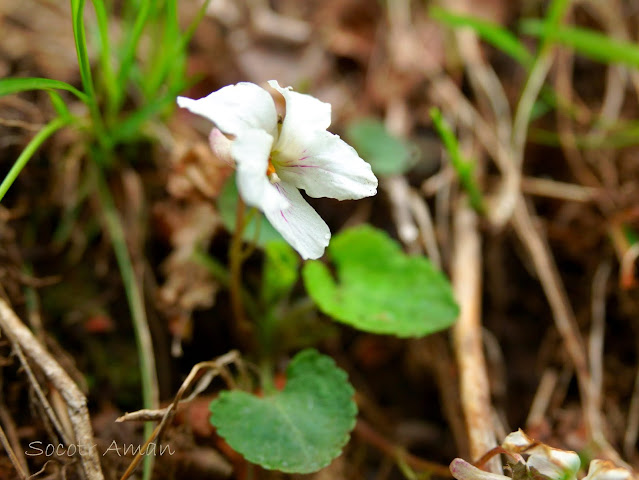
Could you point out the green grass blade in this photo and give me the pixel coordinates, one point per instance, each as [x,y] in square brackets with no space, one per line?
[10,86]
[130,127]
[130,48]
[79,35]
[135,299]
[108,76]
[465,168]
[494,34]
[60,106]
[188,33]
[594,45]
[35,143]
[77,13]
[168,39]
[166,67]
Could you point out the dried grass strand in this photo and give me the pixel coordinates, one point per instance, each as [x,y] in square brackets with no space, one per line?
[21,336]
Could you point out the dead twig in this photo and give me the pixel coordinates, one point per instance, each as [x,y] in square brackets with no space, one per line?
[542,398]
[216,367]
[366,433]
[21,336]
[467,336]
[424,221]
[595,353]
[632,429]
[563,315]
[13,438]
[398,192]
[65,435]
[12,455]
[545,187]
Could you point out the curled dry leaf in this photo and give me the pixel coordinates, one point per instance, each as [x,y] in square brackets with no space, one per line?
[196,172]
[188,220]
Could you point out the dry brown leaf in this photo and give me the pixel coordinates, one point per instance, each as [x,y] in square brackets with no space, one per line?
[188,286]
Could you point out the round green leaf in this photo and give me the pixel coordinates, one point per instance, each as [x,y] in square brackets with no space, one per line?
[379,289]
[387,155]
[300,429]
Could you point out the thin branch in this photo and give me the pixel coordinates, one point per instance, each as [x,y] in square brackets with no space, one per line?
[467,335]
[11,454]
[76,402]
[398,453]
[218,367]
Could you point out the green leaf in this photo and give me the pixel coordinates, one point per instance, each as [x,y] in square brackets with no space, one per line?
[379,289]
[388,155]
[300,429]
[280,273]
[491,32]
[77,14]
[9,86]
[227,203]
[465,168]
[131,41]
[28,152]
[594,45]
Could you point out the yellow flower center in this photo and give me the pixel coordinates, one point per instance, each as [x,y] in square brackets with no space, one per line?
[270,169]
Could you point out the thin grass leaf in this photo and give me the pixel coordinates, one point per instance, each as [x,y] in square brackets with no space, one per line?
[494,34]
[131,46]
[594,45]
[190,31]
[465,168]
[107,74]
[10,86]
[167,37]
[166,69]
[130,127]
[77,13]
[26,155]
[60,106]
[626,136]
[115,230]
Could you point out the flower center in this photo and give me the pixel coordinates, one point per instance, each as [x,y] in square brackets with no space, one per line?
[270,169]
[271,173]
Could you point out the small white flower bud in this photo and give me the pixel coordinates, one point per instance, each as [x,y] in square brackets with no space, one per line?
[462,470]
[605,470]
[221,146]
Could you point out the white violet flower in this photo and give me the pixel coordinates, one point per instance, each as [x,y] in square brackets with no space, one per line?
[274,158]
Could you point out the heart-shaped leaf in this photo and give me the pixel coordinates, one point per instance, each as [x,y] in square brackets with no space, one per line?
[379,289]
[300,429]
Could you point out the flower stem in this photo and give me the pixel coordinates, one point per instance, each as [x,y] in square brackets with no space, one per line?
[242,327]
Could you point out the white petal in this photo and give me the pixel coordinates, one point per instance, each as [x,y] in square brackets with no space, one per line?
[605,470]
[324,166]
[303,112]
[236,108]
[517,442]
[251,151]
[554,463]
[300,224]
[462,470]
